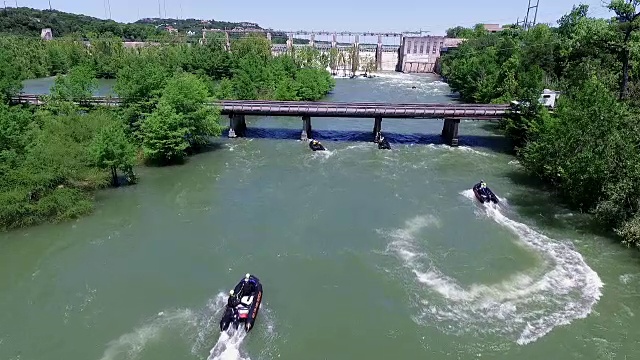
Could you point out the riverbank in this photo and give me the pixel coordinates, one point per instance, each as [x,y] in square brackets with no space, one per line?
[162,119]
[584,151]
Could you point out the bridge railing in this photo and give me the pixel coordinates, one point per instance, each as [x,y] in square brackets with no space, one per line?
[328,109]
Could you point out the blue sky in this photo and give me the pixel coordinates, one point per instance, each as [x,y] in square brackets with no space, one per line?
[331,15]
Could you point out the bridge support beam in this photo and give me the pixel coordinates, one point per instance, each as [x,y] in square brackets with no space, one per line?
[290,42]
[306,128]
[378,57]
[450,131]
[377,128]
[237,125]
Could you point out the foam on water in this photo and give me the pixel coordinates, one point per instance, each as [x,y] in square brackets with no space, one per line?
[130,345]
[524,307]
[197,327]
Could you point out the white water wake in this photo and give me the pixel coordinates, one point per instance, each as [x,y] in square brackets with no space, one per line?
[524,307]
[200,328]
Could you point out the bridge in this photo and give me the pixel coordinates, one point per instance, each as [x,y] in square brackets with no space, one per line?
[237,110]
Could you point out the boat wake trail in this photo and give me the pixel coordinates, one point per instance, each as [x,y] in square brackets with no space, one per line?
[523,308]
[197,328]
[228,345]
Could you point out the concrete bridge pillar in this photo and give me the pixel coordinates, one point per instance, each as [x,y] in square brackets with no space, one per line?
[227,43]
[450,131]
[356,41]
[269,36]
[290,42]
[377,128]
[312,40]
[306,128]
[334,42]
[379,54]
[237,125]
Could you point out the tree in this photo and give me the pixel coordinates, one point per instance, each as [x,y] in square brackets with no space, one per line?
[459,32]
[10,83]
[165,136]
[111,149]
[180,122]
[77,86]
[628,22]
[187,94]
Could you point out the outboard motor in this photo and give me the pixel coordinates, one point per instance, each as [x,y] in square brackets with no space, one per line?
[227,319]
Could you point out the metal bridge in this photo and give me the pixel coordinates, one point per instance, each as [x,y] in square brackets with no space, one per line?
[238,109]
[364,109]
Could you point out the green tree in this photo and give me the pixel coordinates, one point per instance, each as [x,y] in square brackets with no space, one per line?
[10,83]
[111,149]
[627,22]
[459,32]
[165,136]
[77,86]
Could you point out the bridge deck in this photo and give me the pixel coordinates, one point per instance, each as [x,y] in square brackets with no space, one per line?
[365,110]
[337,109]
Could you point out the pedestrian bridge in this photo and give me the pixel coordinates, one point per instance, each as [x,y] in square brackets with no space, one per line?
[238,109]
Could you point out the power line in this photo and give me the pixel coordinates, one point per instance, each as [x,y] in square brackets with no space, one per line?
[535,17]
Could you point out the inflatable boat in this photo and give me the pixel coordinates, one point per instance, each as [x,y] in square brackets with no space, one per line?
[315,145]
[384,144]
[484,194]
[249,292]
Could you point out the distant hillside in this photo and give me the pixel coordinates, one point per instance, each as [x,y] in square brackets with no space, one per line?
[196,25]
[30,22]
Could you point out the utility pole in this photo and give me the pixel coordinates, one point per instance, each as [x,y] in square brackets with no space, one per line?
[535,17]
[159,11]
[109,5]
[50,8]
[165,8]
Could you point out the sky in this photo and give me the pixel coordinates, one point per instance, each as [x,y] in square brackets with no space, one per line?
[328,15]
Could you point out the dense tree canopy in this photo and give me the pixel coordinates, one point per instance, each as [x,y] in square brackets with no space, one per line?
[53,157]
[587,149]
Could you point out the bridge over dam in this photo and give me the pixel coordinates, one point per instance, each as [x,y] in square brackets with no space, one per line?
[237,110]
[410,52]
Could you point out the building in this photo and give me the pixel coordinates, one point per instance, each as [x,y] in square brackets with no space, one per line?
[419,54]
[492,27]
[46,34]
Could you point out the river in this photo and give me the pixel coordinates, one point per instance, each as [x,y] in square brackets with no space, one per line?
[363,253]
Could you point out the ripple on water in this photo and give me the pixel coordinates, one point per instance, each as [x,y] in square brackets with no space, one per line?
[523,308]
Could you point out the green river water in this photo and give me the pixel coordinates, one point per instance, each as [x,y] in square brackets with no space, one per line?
[363,253]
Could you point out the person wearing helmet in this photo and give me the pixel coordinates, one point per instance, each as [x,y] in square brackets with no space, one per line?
[233,300]
[232,303]
[249,285]
[483,184]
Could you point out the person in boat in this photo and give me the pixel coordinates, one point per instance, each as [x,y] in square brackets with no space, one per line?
[233,302]
[383,143]
[248,286]
[482,188]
